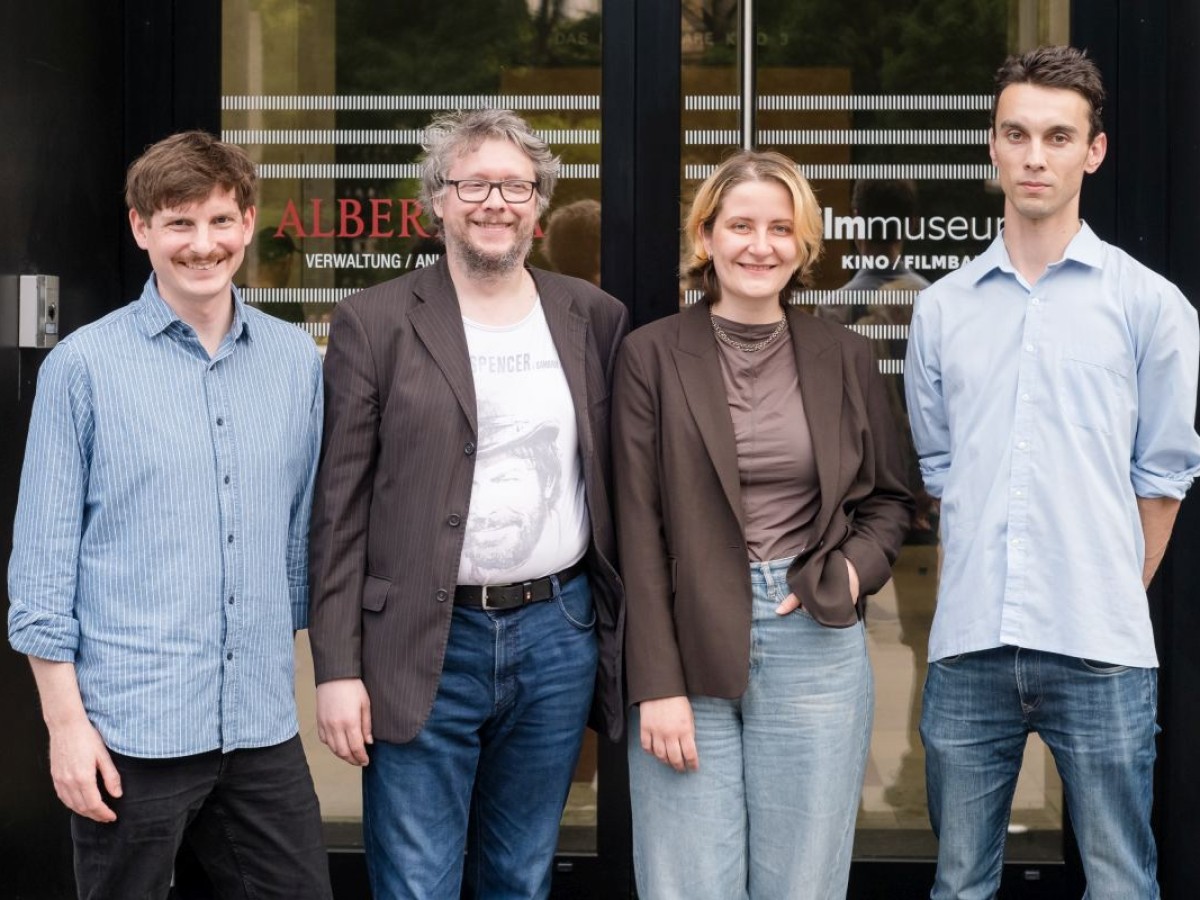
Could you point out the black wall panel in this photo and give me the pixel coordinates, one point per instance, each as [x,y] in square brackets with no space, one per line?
[61,159]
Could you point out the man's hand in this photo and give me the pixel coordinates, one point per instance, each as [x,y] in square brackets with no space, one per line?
[668,732]
[344,719]
[791,602]
[1158,521]
[77,753]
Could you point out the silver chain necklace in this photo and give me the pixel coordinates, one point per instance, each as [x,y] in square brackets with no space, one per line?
[766,342]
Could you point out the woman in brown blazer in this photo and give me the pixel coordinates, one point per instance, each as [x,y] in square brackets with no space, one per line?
[760,499]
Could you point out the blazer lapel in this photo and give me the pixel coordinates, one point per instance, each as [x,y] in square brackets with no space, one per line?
[699,370]
[438,323]
[819,365]
[568,330]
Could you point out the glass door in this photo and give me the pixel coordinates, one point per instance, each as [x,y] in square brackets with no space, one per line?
[885,107]
[331,97]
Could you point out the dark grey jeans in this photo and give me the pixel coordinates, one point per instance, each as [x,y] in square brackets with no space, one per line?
[251,816]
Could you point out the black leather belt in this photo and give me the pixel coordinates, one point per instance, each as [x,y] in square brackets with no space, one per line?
[510,596]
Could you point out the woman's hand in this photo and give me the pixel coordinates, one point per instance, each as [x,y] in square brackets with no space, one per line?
[791,602]
[669,733]
[854,585]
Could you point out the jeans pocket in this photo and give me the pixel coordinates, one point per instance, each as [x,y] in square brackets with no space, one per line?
[949,660]
[1100,667]
[577,608]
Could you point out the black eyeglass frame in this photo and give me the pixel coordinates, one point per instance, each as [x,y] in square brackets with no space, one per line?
[492,186]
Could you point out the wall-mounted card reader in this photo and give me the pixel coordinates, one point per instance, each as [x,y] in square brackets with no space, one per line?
[29,311]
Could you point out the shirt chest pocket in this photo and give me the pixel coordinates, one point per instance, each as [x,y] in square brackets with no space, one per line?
[1094,389]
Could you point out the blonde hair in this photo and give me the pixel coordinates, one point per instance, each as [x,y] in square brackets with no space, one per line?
[751,165]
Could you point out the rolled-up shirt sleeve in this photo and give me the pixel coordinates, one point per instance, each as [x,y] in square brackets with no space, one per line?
[926,405]
[1166,449]
[46,535]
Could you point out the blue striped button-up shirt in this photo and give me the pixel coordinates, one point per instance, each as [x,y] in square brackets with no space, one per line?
[1040,414]
[162,527]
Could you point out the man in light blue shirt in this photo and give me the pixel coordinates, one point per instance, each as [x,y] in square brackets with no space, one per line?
[1052,392]
[159,566]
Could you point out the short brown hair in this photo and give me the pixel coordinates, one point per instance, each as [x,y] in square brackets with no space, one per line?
[1055,67]
[184,169]
[751,165]
[572,240]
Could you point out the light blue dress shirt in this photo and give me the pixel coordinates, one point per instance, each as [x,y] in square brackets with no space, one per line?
[161,539]
[1040,413]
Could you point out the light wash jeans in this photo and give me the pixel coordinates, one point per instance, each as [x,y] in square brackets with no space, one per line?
[1097,720]
[497,752]
[770,813]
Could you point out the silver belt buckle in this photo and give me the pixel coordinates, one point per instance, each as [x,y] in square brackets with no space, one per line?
[483,595]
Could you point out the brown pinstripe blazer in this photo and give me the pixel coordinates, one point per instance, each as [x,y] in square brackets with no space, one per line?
[395,481]
[679,508]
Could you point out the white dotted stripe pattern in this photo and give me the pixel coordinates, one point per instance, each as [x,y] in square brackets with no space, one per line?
[389,171]
[843,137]
[396,137]
[296,295]
[845,172]
[882,332]
[419,102]
[800,298]
[855,298]
[843,102]
[834,298]
[882,137]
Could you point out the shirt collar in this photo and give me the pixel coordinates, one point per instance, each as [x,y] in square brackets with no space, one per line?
[156,314]
[1085,248]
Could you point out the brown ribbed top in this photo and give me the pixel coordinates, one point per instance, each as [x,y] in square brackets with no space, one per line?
[780,493]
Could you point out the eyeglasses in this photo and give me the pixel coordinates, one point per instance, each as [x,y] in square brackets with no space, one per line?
[474,190]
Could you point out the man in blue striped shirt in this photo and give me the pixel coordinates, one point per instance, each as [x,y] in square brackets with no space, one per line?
[159,566]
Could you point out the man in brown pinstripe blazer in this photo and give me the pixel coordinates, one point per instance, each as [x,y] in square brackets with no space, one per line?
[465,609]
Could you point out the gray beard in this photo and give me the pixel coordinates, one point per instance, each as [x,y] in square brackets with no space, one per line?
[486,265]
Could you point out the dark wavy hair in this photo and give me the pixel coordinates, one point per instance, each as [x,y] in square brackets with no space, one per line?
[1055,67]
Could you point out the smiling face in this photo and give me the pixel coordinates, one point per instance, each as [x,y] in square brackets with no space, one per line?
[195,250]
[490,237]
[1041,150]
[752,245]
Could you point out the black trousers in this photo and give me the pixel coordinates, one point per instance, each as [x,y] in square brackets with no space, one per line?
[250,816]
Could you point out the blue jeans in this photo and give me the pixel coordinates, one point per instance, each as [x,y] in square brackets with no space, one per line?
[770,812]
[489,773]
[1097,720]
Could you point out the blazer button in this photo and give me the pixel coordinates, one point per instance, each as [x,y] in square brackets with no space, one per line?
[453,520]
[468,448]
[441,596]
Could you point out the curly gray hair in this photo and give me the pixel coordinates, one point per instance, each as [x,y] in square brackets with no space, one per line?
[452,134]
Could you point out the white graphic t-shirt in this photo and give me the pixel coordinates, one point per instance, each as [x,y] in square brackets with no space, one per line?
[528,513]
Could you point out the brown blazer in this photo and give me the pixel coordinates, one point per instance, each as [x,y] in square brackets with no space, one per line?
[679,509]
[395,482]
